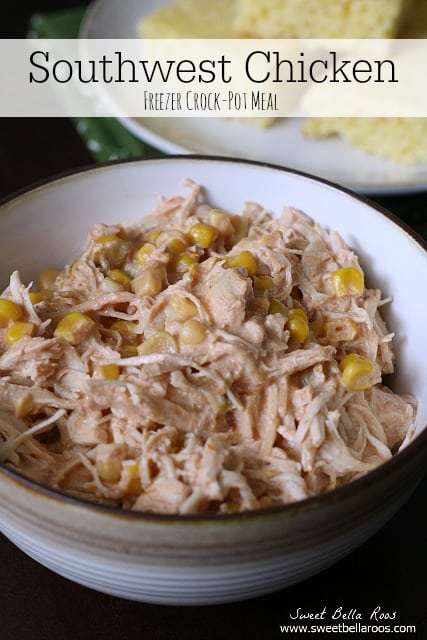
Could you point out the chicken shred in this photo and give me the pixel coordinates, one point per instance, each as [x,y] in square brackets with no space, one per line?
[244,415]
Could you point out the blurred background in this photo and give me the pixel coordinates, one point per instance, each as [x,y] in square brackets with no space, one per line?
[34,149]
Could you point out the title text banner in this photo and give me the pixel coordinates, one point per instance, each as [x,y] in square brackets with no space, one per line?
[219,78]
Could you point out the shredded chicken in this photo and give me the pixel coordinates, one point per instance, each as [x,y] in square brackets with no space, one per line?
[206,366]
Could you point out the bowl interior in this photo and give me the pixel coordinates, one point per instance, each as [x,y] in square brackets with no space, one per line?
[47,227]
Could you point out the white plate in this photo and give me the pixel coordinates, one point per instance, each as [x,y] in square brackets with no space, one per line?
[282,144]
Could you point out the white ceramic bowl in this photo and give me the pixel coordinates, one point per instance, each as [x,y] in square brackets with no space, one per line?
[210,559]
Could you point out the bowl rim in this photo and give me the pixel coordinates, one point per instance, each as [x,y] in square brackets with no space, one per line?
[416,448]
[105,164]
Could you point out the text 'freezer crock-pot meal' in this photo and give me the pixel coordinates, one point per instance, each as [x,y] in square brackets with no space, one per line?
[199,361]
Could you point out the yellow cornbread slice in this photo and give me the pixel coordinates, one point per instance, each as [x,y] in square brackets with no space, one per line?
[189,19]
[403,140]
[320,19]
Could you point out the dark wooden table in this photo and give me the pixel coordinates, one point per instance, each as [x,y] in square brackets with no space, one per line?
[388,571]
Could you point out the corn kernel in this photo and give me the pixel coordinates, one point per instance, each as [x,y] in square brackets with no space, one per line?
[297,312]
[74,327]
[47,279]
[202,234]
[119,276]
[221,221]
[298,329]
[297,324]
[263,283]
[348,281]
[24,405]
[182,308]
[110,286]
[109,469]
[106,239]
[131,468]
[184,262]
[109,371]
[150,283]
[275,306]
[159,342]
[356,372]
[130,349]
[340,330]
[18,330]
[125,327]
[153,236]
[192,332]
[35,297]
[143,253]
[244,259]
[241,227]
[9,312]
[177,244]
[261,305]
[130,477]
[113,252]
[317,327]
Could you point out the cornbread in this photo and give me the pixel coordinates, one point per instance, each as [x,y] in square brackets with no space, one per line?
[314,19]
[189,19]
[285,19]
[403,140]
